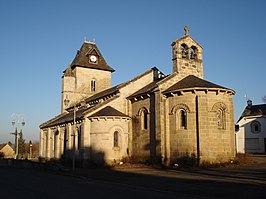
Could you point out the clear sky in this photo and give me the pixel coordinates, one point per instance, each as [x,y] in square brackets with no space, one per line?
[38,39]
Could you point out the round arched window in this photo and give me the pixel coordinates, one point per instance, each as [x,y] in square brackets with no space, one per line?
[255,127]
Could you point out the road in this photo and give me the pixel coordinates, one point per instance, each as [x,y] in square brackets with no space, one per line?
[237,182]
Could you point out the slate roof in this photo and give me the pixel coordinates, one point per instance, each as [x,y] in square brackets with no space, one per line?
[109,111]
[192,81]
[63,119]
[103,93]
[254,110]
[82,58]
[146,89]
[69,117]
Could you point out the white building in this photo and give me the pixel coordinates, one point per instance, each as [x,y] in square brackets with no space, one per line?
[251,136]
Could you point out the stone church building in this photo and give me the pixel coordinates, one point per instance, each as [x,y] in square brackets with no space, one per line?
[152,117]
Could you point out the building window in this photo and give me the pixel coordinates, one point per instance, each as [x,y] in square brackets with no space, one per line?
[193,52]
[221,119]
[255,127]
[181,119]
[116,139]
[93,85]
[184,51]
[144,119]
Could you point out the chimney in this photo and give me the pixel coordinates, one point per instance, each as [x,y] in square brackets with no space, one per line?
[249,102]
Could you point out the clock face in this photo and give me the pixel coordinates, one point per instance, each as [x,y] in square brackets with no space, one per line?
[93,58]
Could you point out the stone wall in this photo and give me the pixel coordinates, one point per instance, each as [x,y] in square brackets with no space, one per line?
[214,144]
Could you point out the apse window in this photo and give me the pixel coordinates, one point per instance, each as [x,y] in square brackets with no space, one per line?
[144,119]
[221,119]
[182,119]
[116,139]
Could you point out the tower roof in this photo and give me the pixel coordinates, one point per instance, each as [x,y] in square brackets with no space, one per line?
[82,58]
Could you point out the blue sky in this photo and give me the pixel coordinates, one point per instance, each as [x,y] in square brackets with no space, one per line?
[38,39]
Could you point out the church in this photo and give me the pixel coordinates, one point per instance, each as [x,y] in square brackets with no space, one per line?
[153,117]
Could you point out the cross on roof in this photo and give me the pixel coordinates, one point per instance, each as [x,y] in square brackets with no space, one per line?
[186,30]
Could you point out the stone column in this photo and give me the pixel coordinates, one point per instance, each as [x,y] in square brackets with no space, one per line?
[48,144]
[130,136]
[44,145]
[85,138]
[167,133]
[41,143]
[57,144]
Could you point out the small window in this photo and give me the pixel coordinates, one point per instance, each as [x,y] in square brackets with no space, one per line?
[183,117]
[144,119]
[184,51]
[221,119]
[255,127]
[193,52]
[116,139]
[93,85]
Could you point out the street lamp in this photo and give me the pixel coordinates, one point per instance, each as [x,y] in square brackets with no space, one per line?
[17,119]
[66,101]
[30,144]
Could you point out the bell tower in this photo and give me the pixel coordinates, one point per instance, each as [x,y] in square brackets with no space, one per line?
[187,56]
[87,75]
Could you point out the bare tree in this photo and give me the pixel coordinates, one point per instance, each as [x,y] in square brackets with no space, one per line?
[264,99]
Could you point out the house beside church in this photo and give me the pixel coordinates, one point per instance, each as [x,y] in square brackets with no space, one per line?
[251,132]
[153,117]
[7,150]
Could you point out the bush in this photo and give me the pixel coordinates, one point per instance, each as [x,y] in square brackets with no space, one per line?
[2,155]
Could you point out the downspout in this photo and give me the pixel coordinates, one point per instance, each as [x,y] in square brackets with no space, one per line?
[197,131]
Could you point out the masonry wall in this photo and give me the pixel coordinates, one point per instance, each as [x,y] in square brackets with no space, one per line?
[140,137]
[215,144]
[102,147]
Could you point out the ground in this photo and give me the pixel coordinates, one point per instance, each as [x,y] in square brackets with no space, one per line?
[245,181]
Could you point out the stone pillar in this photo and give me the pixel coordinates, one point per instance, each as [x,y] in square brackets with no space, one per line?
[130,136]
[57,144]
[41,144]
[167,143]
[48,144]
[61,141]
[44,145]
[85,139]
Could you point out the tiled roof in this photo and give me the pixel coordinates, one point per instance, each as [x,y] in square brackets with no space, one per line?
[109,111]
[82,58]
[192,81]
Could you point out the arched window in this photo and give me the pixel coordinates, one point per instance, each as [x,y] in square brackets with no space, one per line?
[144,119]
[255,127]
[193,52]
[116,139]
[219,109]
[181,119]
[184,50]
[221,119]
[93,85]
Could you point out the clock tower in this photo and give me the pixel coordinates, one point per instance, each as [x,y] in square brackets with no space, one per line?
[187,56]
[87,75]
